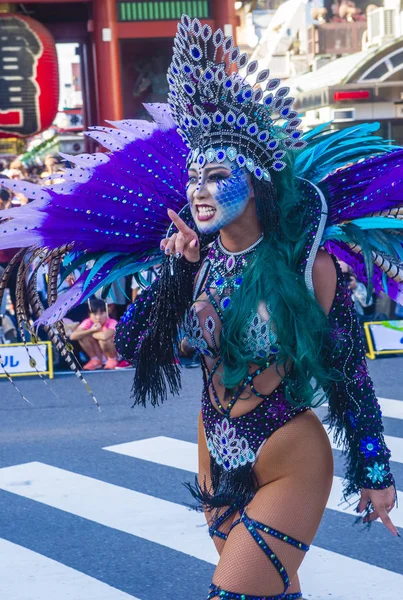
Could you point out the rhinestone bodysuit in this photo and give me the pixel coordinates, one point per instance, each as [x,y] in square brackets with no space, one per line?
[234,442]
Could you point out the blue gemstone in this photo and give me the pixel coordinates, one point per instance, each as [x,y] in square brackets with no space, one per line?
[228,84]
[242,121]
[238,280]
[248,94]
[220,155]
[296,135]
[240,99]
[241,160]
[226,302]
[224,441]
[258,172]
[208,75]
[220,281]
[272,144]
[188,88]
[230,118]
[196,52]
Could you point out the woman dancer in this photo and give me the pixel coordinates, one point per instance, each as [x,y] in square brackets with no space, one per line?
[267,309]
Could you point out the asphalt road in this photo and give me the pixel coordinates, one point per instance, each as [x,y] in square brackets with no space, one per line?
[92,502]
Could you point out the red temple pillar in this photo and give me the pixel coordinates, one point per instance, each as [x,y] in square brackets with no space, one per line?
[107,62]
[225,17]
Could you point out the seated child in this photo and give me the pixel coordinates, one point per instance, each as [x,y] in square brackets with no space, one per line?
[95,336]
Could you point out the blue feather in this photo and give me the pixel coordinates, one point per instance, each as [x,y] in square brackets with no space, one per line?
[116,273]
[102,260]
[378,223]
[328,151]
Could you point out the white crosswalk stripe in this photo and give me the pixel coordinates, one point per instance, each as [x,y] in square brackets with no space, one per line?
[183,455]
[174,526]
[26,574]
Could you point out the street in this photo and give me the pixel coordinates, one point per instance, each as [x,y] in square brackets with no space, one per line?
[93,507]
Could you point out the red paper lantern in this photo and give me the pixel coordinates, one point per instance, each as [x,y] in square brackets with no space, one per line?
[29,77]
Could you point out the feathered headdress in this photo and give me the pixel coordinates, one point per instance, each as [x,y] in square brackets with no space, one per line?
[219,114]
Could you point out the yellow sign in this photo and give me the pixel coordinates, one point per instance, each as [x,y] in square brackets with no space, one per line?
[384,337]
[20,360]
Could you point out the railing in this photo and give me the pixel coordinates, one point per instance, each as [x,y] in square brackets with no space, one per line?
[162,10]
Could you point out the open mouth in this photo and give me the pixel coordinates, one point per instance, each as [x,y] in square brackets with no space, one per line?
[205,212]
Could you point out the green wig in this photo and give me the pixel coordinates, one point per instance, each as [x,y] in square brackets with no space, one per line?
[274,276]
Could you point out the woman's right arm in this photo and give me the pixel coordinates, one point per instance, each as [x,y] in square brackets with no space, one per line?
[183,247]
[134,323]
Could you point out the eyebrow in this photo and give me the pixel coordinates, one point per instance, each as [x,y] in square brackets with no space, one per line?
[208,169]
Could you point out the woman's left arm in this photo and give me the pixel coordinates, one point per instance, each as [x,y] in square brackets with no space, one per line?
[354,412]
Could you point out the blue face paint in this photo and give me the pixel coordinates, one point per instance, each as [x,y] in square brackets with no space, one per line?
[218,196]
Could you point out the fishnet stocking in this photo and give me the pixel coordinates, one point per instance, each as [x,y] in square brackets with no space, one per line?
[294,471]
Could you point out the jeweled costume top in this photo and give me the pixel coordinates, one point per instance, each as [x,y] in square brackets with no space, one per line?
[111,209]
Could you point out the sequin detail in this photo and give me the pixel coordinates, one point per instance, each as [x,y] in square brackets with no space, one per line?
[354,411]
[225,274]
[227,449]
[247,432]
[377,473]
[259,339]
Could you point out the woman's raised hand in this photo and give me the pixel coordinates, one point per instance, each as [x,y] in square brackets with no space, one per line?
[184,243]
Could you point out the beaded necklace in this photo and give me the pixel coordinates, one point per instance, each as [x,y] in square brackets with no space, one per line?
[226,271]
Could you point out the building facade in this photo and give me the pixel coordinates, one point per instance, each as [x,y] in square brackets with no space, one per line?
[124,46]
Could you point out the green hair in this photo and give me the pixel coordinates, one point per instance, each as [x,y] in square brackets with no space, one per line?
[275,276]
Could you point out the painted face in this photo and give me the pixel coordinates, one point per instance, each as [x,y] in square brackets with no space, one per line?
[217,193]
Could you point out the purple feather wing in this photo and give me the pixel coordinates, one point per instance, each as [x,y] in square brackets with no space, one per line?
[356,261]
[108,202]
[370,186]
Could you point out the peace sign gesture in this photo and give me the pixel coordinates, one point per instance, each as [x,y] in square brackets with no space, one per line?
[184,243]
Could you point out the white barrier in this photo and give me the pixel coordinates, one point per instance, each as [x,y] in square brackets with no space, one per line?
[17,360]
[384,337]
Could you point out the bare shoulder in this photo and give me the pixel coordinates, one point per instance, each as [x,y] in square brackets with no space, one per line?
[324,279]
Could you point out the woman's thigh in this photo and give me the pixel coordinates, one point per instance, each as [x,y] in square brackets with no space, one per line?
[292,501]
